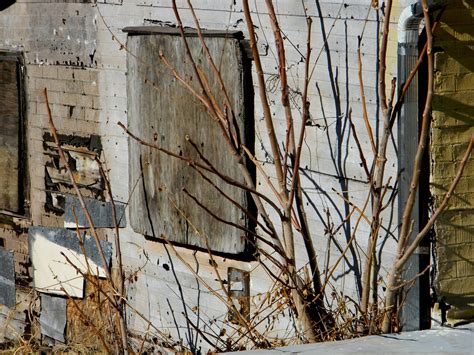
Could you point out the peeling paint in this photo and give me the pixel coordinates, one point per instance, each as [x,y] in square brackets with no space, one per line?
[101,213]
[52,272]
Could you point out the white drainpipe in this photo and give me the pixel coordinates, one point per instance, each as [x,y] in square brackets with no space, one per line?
[408,35]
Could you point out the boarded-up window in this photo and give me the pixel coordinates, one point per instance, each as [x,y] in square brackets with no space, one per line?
[11,109]
[164,112]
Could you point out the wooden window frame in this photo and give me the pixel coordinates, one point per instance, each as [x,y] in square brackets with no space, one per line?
[23,212]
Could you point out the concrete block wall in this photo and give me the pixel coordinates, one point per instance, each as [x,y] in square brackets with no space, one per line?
[453,126]
[77,52]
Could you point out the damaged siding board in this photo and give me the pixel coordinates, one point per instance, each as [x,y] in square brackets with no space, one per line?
[13,322]
[165,113]
[81,153]
[7,278]
[52,273]
[101,213]
[10,135]
[53,317]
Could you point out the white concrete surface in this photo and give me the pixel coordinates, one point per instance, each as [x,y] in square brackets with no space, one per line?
[440,340]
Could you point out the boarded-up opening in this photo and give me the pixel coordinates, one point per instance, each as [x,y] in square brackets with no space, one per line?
[11,134]
[164,112]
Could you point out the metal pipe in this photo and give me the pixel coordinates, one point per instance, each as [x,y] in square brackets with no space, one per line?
[407,130]
[408,33]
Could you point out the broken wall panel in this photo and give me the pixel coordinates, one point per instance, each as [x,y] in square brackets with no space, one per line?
[53,317]
[59,271]
[101,213]
[239,293]
[14,322]
[16,241]
[7,278]
[81,153]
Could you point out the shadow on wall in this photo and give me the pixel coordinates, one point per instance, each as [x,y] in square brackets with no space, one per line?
[6,3]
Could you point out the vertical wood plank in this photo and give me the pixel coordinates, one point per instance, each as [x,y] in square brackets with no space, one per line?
[9,136]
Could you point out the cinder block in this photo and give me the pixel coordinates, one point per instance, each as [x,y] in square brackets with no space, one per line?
[442,153]
[65,73]
[462,200]
[465,82]
[50,71]
[56,85]
[75,87]
[60,111]
[447,64]
[77,113]
[81,74]
[457,14]
[92,115]
[454,116]
[455,288]
[36,96]
[459,150]
[464,269]
[440,184]
[31,108]
[447,270]
[458,252]
[34,71]
[85,101]
[450,135]
[455,32]
[41,83]
[97,102]
[443,169]
[444,83]
[464,235]
[91,89]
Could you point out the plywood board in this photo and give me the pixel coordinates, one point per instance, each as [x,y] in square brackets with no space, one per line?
[164,112]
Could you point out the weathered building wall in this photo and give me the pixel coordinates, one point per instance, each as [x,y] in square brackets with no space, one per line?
[453,126]
[77,52]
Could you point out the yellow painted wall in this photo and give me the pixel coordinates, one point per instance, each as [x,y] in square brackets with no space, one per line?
[453,124]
